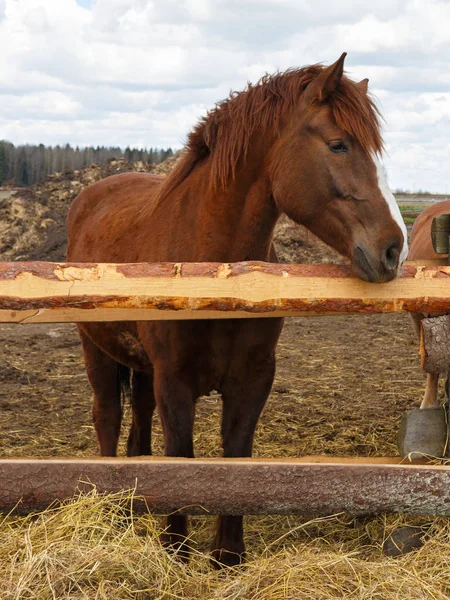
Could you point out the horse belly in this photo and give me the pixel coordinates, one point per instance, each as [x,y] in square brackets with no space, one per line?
[209,352]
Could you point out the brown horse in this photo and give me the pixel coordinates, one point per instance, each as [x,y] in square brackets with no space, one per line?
[304,143]
[422,248]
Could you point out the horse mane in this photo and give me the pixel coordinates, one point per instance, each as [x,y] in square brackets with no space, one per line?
[224,133]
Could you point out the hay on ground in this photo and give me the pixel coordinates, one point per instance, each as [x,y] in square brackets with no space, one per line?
[91,548]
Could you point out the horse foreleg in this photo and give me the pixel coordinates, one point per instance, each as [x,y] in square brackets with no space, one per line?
[430,399]
[143,406]
[243,400]
[104,375]
[175,401]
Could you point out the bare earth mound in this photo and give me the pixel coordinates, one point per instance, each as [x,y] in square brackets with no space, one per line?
[342,385]
[33,221]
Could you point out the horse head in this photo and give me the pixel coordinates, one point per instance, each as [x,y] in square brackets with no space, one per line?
[325,174]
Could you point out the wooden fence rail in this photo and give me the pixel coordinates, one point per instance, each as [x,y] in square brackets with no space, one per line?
[310,486]
[39,292]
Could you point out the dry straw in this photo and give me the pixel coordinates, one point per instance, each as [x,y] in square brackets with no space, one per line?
[93,548]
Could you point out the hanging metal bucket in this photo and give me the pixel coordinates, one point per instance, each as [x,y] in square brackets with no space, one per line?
[423,431]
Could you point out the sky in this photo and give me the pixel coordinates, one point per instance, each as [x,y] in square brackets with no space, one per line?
[142,72]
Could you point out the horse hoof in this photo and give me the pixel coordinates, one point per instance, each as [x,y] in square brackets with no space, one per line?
[403,540]
[221,558]
[423,431]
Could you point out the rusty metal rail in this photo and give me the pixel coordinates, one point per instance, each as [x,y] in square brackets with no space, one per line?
[311,486]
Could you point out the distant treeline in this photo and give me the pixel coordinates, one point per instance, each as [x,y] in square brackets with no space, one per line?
[26,165]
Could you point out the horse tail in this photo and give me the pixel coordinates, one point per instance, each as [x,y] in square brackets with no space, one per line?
[124,377]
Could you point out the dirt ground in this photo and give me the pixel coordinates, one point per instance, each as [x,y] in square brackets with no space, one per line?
[342,385]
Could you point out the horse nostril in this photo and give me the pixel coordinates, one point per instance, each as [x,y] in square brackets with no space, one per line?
[391,257]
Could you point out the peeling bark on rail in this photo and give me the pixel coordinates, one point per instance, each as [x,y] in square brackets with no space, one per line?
[53,292]
[435,344]
[234,486]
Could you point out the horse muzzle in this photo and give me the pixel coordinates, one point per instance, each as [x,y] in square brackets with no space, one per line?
[376,269]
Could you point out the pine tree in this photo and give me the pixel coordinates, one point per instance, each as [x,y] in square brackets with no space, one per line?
[24,169]
[3,163]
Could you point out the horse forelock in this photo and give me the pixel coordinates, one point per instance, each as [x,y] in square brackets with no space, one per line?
[224,134]
[356,113]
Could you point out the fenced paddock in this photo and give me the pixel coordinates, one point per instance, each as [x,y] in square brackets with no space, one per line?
[90,548]
[51,292]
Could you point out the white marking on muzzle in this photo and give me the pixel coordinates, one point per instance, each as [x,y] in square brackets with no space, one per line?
[393,207]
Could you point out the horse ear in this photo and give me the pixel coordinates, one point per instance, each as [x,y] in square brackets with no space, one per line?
[326,83]
[363,85]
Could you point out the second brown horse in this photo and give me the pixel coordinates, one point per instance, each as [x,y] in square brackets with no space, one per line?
[305,143]
[422,248]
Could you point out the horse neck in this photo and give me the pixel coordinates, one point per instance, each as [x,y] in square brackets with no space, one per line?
[233,224]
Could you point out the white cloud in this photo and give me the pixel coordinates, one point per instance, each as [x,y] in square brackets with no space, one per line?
[132,72]
[41,105]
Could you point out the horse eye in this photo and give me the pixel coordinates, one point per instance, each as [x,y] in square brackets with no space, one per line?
[337,146]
